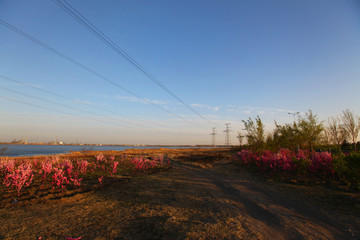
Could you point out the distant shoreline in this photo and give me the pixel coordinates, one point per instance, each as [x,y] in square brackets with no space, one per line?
[17,150]
[120,145]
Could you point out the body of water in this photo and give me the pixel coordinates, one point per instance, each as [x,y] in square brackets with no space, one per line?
[31,150]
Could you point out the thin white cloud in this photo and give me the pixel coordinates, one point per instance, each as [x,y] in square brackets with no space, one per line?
[197,105]
[248,110]
[140,100]
[212,108]
[82,102]
[215,109]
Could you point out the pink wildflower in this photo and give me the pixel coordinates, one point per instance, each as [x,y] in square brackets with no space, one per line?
[46,167]
[114,168]
[59,178]
[100,179]
[83,166]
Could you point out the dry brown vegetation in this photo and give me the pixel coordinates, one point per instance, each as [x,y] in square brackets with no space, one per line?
[204,195]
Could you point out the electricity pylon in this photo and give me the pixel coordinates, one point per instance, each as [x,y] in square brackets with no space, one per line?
[213,137]
[227,135]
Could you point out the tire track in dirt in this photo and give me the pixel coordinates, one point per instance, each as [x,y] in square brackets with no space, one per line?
[269,212]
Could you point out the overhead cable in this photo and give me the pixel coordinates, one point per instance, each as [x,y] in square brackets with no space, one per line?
[33,39]
[116,123]
[99,34]
[66,98]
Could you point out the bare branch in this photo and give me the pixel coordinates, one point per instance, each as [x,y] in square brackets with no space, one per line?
[350,125]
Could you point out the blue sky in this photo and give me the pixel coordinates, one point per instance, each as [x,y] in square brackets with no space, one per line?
[228,60]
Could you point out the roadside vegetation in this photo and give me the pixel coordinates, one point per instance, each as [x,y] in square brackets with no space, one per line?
[305,149]
[26,178]
[42,178]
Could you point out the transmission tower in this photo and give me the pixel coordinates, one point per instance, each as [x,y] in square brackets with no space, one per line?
[213,142]
[227,135]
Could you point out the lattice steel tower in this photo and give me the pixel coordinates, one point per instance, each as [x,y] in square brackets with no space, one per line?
[213,137]
[227,135]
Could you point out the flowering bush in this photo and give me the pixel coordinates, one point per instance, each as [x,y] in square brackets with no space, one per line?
[46,168]
[18,177]
[59,178]
[114,167]
[286,160]
[321,163]
[60,173]
[83,165]
[142,164]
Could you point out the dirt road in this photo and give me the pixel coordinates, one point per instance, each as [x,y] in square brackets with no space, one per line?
[192,201]
[267,212]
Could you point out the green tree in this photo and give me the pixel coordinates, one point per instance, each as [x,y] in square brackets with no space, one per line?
[287,136]
[304,133]
[255,133]
[309,130]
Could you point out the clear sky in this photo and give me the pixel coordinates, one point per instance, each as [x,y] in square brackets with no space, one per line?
[227,60]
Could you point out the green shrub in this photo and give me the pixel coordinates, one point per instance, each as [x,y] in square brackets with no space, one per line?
[347,168]
[353,160]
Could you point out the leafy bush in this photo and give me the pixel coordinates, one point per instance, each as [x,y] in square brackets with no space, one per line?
[352,162]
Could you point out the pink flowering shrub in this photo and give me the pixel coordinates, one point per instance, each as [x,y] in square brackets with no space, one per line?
[246,156]
[322,163]
[83,165]
[114,167]
[46,168]
[7,166]
[56,173]
[142,164]
[101,161]
[286,160]
[19,176]
[59,178]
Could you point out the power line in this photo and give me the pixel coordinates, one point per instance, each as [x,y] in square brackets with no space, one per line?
[33,39]
[46,108]
[128,124]
[55,94]
[66,98]
[99,34]
[61,104]
[67,113]
[70,114]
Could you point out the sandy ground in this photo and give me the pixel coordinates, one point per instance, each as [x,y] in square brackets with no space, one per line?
[213,199]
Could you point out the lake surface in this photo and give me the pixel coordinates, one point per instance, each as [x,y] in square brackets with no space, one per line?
[31,150]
